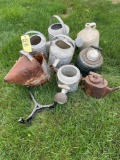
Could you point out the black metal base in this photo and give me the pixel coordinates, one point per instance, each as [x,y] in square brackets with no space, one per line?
[37,108]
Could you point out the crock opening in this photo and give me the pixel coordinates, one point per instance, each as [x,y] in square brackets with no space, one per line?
[69,71]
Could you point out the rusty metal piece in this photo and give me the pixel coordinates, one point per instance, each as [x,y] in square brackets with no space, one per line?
[97,86]
[31,73]
[60,98]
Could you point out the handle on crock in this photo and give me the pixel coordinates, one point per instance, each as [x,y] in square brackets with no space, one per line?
[64,86]
[61,22]
[35,32]
[64,36]
[91,25]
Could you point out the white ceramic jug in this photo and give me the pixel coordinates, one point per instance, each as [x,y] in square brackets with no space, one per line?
[89,35]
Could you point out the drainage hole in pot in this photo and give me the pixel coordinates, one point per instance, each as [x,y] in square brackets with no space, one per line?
[35,40]
[69,71]
[62,44]
[56,26]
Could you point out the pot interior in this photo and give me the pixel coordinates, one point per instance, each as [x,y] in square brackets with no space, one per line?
[39,59]
[37,56]
[56,26]
[62,44]
[69,71]
[35,40]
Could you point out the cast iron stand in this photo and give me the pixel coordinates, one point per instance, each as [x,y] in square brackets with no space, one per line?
[37,108]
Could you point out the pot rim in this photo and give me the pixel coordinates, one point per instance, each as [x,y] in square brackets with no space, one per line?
[68,80]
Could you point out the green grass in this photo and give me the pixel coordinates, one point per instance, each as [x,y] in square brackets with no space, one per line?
[84,128]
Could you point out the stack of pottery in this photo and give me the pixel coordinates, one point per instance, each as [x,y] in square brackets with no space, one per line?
[89,59]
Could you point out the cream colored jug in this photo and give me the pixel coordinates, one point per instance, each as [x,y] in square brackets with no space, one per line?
[89,35]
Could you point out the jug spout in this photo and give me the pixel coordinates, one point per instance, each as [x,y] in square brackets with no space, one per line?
[109,90]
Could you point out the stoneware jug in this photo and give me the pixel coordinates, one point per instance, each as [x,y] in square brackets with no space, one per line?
[70,76]
[61,51]
[97,86]
[89,35]
[57,28]
[38,41]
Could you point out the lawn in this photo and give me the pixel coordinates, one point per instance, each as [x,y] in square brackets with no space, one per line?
[84,128]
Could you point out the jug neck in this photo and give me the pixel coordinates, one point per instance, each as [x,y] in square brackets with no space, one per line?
[90,25]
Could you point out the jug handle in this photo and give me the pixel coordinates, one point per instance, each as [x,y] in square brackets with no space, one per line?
[91,25]
[95,47]
[35,32]
[61,22]
[64,36]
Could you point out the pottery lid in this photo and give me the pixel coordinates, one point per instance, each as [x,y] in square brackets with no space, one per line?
[93,55]
[96,80]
